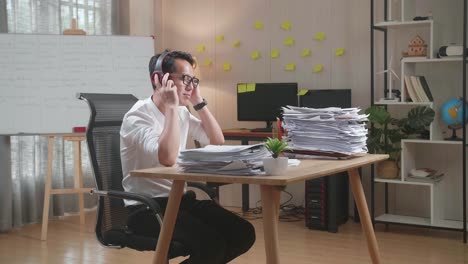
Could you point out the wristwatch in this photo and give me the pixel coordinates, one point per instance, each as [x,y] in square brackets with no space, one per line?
[200,105]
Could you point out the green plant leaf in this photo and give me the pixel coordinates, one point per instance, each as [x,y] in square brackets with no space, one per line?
[387,132]
[378,115]
[420,117]
[275,146]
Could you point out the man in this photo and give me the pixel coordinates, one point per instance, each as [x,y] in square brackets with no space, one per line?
[153,133]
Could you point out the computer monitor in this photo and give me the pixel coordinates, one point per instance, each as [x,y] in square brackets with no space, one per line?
[265,101]
[326,98]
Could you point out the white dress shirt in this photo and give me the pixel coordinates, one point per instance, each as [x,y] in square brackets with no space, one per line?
[139,136]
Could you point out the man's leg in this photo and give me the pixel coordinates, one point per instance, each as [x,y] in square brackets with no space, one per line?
[238,233]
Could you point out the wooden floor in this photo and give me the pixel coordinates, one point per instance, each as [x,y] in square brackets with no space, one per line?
[69,243]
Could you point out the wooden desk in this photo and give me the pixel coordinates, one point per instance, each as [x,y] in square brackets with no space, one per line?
[245,135]
[76,138]
[270,187]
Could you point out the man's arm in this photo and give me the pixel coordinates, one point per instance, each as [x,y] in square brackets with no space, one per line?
[211,126]
[169,142]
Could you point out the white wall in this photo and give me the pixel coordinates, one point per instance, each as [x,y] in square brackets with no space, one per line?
[184,25]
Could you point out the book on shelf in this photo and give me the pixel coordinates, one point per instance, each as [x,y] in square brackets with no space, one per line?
[417,89]
[425,175]
[410,92]
[425,86]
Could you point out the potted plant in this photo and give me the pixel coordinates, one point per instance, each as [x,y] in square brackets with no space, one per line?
[275,165]
[387,132]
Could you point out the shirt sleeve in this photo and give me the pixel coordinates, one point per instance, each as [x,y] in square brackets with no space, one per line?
[139,130]
[196,130]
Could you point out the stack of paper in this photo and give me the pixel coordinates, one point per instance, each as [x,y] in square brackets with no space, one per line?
[229,160]
[333,129]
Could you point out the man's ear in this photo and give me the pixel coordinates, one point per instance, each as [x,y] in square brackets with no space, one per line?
[153,80]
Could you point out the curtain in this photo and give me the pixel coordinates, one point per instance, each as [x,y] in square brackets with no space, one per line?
[3,17]
[23,194]
[96,17]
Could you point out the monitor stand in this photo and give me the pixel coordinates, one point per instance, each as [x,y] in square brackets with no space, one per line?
[268,128]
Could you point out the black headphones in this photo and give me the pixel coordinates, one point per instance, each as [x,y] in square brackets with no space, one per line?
[159,63]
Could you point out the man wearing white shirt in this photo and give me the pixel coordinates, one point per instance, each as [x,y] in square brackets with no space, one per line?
[153,133]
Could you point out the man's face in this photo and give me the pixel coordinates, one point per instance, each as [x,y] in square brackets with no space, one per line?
[184,91]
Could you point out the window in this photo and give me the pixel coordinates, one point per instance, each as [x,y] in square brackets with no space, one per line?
[53,16]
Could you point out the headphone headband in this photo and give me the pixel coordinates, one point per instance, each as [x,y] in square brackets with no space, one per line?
[159,62]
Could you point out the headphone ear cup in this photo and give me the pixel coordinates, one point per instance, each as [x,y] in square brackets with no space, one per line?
[160,76]
[158,69]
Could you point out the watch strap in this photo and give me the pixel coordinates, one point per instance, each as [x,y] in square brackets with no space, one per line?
[200,105]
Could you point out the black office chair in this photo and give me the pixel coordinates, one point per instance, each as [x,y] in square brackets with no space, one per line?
[103,139]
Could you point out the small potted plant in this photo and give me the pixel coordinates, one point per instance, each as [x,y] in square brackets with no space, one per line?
[275,165]
[387,132]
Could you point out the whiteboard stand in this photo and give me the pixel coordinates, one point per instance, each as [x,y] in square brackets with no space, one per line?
[78,186]
[74,29]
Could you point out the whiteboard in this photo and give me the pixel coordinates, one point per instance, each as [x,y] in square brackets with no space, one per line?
[40,76]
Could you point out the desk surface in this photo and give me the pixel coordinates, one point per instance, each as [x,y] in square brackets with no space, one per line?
[308,169]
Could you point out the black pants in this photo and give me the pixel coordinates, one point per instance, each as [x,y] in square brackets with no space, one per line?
[211,233]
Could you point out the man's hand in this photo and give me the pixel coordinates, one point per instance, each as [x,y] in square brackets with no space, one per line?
[167,91]
[196,97]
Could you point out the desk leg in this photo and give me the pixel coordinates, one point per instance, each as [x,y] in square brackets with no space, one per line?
[48,186]
[164,241]
[366,222]
[79,178]
[245,187]
[245,197]
[270,204]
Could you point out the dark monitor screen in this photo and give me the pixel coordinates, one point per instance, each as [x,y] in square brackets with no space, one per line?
[265,102]
[326,98]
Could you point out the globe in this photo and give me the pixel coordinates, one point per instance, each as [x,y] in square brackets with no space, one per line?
[452,112]
[452,115]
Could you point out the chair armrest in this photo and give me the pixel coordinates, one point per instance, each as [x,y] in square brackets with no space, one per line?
[146,200]
[202,186]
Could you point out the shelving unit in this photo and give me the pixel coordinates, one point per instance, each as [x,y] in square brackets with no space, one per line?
[389,24]
[428,204]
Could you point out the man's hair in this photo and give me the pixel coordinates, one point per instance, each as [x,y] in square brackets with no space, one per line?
[168,64]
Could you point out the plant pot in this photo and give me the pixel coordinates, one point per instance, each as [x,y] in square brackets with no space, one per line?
[388,169]
[274,166]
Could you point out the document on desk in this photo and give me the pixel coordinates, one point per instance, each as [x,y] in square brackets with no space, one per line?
[229,160]
[329,130]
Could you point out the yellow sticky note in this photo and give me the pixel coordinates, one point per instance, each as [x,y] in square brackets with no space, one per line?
[290,66]
[219,38]
[274,53]
[302,92]
[258,25]
[227,66]
[207,62]
[318,68]
[250,87]
[286,25]
[255,55]
[289,41]
[305,52]
[236,44]
[201,48]
[241,88]
[339,52]
[319,36]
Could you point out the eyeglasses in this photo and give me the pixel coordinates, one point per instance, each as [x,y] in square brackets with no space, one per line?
[187,79]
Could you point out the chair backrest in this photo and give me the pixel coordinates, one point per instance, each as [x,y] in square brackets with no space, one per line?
[103,139]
